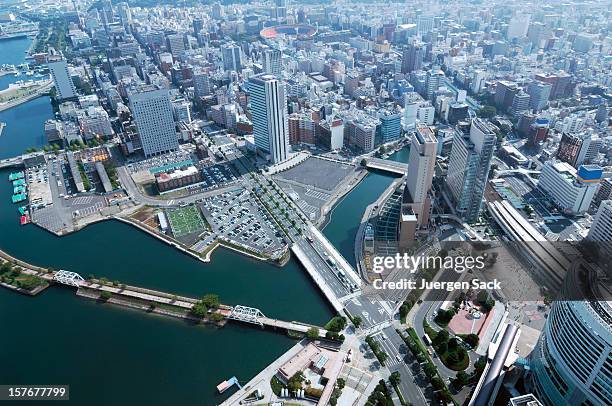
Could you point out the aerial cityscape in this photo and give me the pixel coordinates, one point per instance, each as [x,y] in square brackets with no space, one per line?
[293,202]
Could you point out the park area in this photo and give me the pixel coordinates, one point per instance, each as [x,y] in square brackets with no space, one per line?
[185,221]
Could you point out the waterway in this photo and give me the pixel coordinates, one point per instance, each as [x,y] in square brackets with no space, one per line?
[25,123]
[110,355]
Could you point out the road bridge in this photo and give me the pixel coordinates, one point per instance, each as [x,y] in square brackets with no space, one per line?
[11,162]
[385,165]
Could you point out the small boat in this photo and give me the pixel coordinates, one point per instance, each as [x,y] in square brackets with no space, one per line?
[24,220]
[23,210]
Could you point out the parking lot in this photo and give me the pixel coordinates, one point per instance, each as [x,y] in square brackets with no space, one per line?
[312,183]
[237,217]
[216,176]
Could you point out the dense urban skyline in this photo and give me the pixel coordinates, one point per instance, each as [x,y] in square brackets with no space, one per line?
[436,175]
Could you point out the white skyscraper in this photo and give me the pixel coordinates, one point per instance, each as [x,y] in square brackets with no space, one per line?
[61,78]
[271,60]
[269,116]
[152,112]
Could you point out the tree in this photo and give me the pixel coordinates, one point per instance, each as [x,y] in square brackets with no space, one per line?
[199,310]
[211,301]
[437,383]
[487,112]
[216,317]
[382,356]
[462,378]
[105,295]
[441,337]
[472,340]
[395,378]
[430,370]
[357,321]
[312,333]
[364,162]
[452,344]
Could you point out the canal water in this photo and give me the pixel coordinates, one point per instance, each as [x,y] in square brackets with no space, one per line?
[111,355]
[25,123]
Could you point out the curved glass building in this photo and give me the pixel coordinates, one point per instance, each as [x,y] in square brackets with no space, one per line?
[572,362]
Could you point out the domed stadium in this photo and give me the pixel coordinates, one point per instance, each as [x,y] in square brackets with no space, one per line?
[295,30]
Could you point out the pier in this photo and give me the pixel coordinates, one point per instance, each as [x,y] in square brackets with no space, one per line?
[238,313]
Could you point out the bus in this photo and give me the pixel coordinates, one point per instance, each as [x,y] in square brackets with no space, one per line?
[427,339]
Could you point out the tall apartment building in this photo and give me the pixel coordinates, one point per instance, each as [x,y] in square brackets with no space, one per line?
[518,26]
[560,82]
[302,128]
[269,116]
[272,61]
[360,132]
[64,85]
[232,59]
[154,120]
[469,165]
[570,189]
[504,94]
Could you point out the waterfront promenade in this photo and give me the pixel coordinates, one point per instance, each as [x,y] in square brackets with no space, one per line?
[40,91]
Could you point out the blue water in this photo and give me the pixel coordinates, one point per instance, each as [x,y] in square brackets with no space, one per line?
[24,123]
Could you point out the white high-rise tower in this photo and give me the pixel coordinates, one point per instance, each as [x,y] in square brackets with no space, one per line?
[269,116]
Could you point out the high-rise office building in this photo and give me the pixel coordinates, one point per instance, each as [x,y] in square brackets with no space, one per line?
[269,116]
[412,58]
[272,61]
[176,44]
[154,120]
[198,25]
[469,165]
[64,85]
[425,24]
[539,93]
[504,94]
[390,125]
[280,9]
[232,59]
[518,26]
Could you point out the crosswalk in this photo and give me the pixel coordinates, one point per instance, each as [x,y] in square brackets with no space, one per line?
[86,211]
[81,200]
[395,358]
